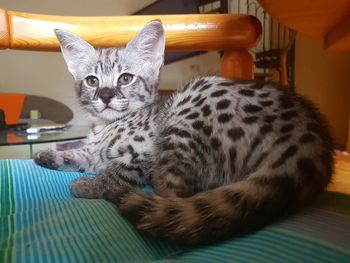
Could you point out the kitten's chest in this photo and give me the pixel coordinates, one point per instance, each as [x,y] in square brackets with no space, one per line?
[127,141]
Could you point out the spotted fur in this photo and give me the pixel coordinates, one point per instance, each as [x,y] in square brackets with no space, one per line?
[224,157]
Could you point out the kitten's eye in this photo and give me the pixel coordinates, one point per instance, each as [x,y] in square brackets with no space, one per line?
[92,81]
[125,79]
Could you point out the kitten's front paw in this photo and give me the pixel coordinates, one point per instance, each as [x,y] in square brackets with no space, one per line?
[49,159]
[87,187]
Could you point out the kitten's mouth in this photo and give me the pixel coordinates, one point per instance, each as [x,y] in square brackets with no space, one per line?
[119,106]
[112,109]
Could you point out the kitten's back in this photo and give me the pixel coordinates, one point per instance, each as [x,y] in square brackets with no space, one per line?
[261,151]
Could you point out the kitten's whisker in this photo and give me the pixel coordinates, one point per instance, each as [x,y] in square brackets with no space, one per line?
[122,101]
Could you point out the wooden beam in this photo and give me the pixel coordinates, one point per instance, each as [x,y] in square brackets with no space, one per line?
[183,32]
[338,39]
[237,64]
[312,18]
[4,30]
[348,143]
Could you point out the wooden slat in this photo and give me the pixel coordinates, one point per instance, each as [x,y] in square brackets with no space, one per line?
[237,64]
[339,37]
[268,64]
[183,32]
[348,144]
[4,30]
[261,75]
[268,53]
[341,176]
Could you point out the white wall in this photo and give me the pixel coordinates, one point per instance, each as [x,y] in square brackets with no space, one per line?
[174,75]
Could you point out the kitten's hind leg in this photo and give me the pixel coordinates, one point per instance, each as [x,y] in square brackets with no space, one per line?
[88,187]
[174,172]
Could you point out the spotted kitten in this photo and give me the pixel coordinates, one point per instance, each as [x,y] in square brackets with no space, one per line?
[224,157]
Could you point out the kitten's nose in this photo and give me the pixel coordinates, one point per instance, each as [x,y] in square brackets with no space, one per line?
[106,94]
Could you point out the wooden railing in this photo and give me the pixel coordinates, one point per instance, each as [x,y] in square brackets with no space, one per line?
[234,34]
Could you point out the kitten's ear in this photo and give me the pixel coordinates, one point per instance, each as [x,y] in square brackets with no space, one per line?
[77,53]
[149,43]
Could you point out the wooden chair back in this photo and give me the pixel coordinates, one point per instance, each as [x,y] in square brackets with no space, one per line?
[232,34]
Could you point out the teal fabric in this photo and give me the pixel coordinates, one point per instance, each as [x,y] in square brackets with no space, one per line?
[40,221]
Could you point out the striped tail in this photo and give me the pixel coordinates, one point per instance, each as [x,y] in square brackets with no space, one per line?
[213,215]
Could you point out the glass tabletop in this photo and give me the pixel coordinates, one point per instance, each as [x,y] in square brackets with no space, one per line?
[71,132]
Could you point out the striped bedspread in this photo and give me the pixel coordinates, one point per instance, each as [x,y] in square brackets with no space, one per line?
[40,221]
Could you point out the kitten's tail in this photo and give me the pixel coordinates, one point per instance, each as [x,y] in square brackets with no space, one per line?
[213,215]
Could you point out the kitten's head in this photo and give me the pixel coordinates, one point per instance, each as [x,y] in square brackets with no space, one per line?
[111,82]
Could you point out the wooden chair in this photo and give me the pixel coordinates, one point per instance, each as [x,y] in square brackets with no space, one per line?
[233,34]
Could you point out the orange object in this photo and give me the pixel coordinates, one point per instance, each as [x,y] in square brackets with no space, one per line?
[13,138]
[12,105]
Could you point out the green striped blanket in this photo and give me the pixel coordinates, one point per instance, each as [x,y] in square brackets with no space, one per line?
[40,221]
